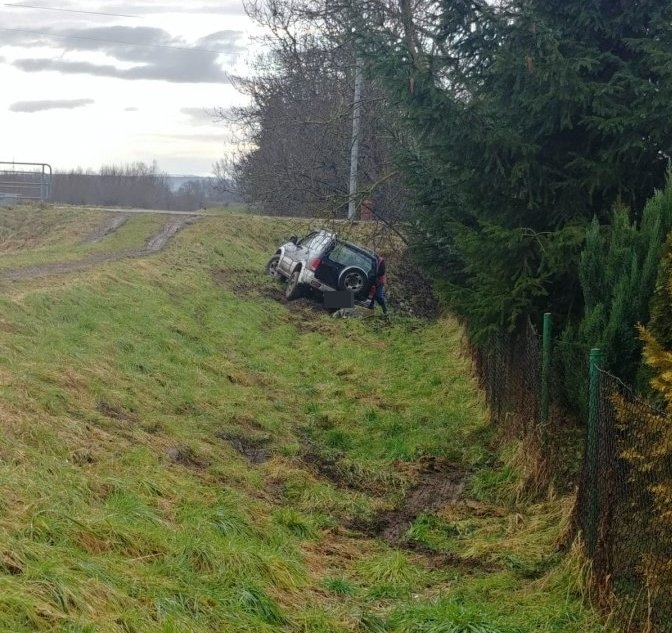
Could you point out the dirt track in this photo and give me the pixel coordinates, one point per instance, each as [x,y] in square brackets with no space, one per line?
[153,244]
[112,225]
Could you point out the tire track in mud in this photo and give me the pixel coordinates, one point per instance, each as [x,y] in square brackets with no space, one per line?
[112,225]
[435,485]
[168,231]
[153,244]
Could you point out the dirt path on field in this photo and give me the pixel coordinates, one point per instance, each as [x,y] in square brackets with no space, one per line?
[153,244]
[133,211]
[436,485]
[113,224]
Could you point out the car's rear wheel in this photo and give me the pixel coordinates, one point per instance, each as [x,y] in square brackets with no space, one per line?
[272,267]
[294,289]
[353,279]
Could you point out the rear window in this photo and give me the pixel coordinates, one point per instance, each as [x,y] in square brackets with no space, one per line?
[348,256]
[306,241]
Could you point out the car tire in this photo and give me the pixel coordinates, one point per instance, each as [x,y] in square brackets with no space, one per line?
[353,279]
[294,289]
[272,267]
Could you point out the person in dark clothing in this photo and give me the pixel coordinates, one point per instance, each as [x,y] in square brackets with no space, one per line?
[377,292]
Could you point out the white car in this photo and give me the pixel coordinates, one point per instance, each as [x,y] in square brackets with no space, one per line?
[322,261]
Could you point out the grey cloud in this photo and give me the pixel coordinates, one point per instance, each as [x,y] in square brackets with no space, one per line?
[200,116]
[199,138]
[28,37]
[179,72]
[209,138]
[105,37]
[125,40]
[39,106]
[223,40]
[216,7]
[131,109]
[156,54]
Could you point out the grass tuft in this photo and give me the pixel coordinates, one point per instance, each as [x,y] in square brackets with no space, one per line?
[253,600]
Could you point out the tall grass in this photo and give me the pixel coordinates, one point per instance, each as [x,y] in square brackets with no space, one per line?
[129,394]
[32,235]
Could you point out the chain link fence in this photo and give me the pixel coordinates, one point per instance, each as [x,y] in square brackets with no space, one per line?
[624,501]
[624,506]
[525,388]
[509,370]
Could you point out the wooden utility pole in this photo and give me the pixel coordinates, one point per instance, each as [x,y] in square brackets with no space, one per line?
[354,149]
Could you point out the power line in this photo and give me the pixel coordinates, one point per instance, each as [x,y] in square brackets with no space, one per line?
[96,39]
[29,6]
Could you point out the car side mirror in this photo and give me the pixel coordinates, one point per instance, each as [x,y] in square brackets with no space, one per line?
[293,239]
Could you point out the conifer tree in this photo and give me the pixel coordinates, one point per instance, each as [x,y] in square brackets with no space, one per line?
[528,118]
[617,270]
[660,324]
[647,448]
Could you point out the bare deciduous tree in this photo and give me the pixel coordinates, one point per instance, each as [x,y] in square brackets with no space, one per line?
[134,185]
[299,121]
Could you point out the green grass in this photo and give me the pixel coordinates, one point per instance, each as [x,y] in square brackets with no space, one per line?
[129,394]
[31,235]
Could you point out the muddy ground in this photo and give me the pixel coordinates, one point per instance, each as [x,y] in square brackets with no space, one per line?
[154,244]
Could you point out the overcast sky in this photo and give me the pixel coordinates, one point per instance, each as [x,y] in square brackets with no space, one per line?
[97,82]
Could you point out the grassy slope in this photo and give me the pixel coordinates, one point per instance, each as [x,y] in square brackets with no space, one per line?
[60,235]
[125,506]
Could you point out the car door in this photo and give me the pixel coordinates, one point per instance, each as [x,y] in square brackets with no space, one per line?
[295,252]
[331,265]
[338,258]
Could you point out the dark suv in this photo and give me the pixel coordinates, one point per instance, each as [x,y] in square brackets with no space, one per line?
[322,261]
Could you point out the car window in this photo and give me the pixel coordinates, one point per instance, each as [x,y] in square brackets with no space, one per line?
[320,242]
[347,256]
[306,241]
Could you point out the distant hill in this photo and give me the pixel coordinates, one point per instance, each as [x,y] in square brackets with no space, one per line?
[203,184]
[175,182]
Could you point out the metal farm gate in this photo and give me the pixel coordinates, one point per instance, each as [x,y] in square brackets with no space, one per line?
[23,182]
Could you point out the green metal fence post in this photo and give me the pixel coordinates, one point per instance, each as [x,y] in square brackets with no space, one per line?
[545,369]
[592,449]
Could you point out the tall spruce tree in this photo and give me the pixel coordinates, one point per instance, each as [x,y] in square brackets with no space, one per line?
[660,324]
[528,119]
[618,268]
